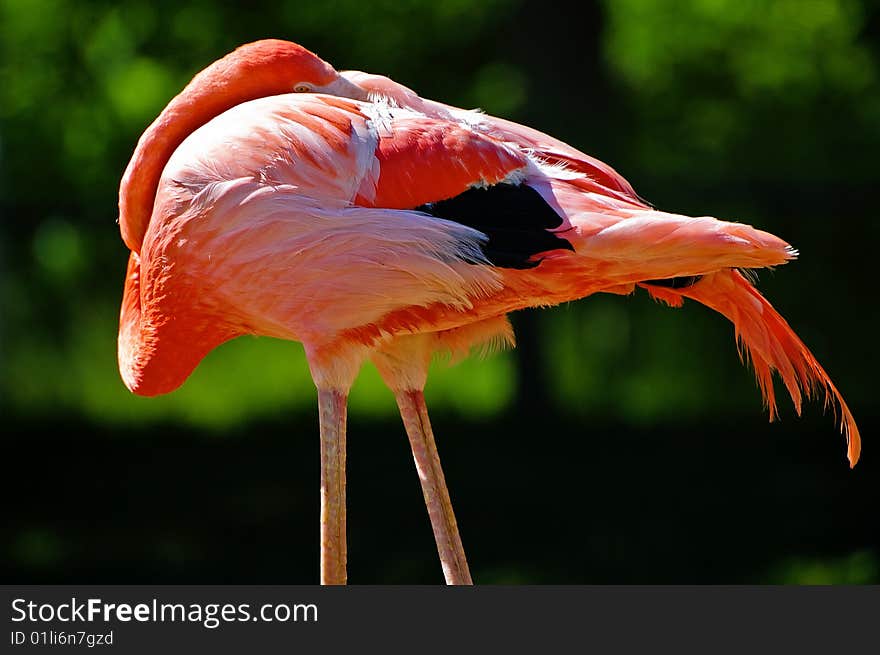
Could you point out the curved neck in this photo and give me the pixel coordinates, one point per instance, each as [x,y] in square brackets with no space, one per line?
[253,71]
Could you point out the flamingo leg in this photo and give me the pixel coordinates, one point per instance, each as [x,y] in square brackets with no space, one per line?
[414,413]
[332,413]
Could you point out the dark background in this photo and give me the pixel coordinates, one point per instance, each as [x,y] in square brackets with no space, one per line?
[622,442]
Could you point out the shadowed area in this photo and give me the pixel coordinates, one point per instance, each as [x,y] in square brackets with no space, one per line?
[698,504]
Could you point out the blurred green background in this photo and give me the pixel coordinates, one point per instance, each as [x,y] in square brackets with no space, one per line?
[621,442]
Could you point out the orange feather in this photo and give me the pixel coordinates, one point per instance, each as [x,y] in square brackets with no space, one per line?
[765,338]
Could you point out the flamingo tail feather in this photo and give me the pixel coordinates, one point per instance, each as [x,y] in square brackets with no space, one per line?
[765,338]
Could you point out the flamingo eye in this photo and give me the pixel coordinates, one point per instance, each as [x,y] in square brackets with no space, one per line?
[302,87]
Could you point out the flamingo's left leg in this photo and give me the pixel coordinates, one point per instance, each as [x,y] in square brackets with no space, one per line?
[403,363]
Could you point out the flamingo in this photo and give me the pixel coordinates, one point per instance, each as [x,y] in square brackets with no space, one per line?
[276,196]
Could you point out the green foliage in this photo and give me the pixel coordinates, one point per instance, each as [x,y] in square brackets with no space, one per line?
[856,568]
[704,97]
[720,75]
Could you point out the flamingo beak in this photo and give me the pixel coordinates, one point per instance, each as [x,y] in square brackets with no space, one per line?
[344,88]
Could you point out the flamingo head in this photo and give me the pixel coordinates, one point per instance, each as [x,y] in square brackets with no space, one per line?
[273,66]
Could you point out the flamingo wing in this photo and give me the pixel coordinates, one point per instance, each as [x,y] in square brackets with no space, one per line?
[323,154]
[306,269]
[598,176]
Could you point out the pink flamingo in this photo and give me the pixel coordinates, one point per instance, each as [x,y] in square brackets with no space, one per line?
[275,196]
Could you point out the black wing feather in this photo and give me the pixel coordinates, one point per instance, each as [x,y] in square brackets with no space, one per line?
[515,218]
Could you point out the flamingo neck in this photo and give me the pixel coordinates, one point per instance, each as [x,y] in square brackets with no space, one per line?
[161,340]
